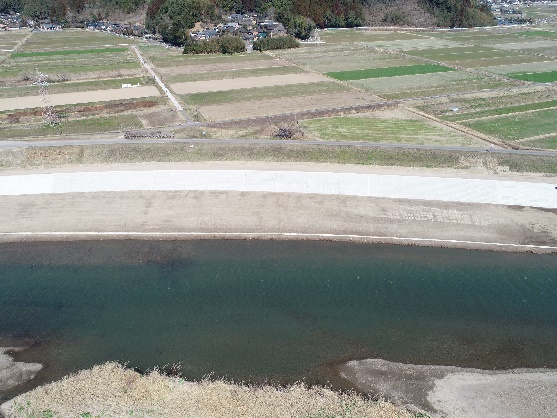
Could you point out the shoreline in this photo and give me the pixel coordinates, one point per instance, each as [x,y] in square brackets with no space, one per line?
[14,373]
[15,237]
[455,391]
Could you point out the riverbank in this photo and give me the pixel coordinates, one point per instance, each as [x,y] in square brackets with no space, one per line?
[110,390]
[458,392]
[183,214]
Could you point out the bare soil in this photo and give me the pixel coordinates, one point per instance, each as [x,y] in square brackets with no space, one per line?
[245,83]
[31,102]
[286,105]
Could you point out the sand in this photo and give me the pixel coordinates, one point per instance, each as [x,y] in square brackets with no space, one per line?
[13,373]
[458,392]
[31,102]
[246,83]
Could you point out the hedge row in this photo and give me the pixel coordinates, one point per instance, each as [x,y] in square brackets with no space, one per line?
[278,42]
[218,45]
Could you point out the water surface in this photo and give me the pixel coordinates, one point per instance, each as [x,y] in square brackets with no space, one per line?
[277,311]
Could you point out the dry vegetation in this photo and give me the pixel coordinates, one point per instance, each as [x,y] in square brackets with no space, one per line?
[110,390]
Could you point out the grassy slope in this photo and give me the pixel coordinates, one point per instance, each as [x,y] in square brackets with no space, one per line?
[137,153]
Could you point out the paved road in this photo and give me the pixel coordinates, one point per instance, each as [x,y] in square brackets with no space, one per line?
[111,141]
[499,192]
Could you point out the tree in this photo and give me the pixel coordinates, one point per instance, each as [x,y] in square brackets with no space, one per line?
[301,27]
[11,6]
[174,17]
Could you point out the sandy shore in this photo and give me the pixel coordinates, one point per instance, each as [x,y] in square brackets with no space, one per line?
[458,392]
[13,373]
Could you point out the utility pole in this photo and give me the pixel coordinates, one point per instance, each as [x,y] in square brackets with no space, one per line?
[51,117]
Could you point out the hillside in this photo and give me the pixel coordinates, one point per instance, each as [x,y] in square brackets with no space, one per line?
[175,16]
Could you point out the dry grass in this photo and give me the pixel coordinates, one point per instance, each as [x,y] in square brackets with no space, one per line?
[110,390]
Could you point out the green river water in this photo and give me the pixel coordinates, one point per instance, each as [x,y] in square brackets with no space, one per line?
[276,311]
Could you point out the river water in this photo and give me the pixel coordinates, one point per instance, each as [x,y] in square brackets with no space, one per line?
[276,311]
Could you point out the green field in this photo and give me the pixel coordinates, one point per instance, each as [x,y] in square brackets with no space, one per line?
[388,72]
[385,130]
[78,126]
[549,142]
[544,77]
[66,52]
[500,111]
[518,126]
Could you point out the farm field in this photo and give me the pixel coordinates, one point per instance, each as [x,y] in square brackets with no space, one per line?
[232,74]
[515,65]
[388,72]
[499,82]
[518,126]
[61,99]
[77,126]
[287,104]
[42,41]
[84,72]
[260,94]
[382,127]
[246,83]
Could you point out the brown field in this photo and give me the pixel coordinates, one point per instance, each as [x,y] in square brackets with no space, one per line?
[285,105]
[248,65]
[245,83]
[31,102]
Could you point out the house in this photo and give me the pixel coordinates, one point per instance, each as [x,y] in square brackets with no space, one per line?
[50,26]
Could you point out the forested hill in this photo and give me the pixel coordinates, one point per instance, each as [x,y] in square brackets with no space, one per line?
[178,15]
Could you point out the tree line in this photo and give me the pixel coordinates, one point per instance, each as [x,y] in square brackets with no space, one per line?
[173,18]
[59,10]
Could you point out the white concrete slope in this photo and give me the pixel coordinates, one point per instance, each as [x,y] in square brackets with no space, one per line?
[497,192]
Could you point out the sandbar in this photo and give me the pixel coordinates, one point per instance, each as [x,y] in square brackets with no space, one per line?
[13,373]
